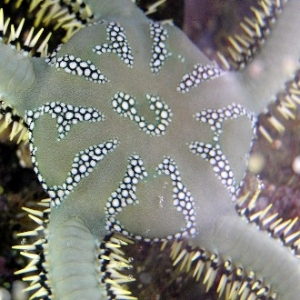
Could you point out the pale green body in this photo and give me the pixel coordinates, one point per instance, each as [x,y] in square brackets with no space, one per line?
[217,226]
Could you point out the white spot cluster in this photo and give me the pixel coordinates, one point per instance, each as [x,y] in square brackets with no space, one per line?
[199,73]
[124,104]
[218,161]
[85,161]
[83,164]
[159,51]
[182,198]
[65,115]
[52,58]
[125,193]
[118,44]
[77,66]
[215,117]
[213,153]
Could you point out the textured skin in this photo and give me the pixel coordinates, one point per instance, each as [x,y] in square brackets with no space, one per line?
[48,148]
[104,157]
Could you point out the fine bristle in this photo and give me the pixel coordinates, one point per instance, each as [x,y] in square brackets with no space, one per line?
[11,124]
[213,262]
[165,11]
[265,220]
[281,111]
[111,260]
[113,264]
[240,47]
[230,281]
[35,273]
[47,24]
